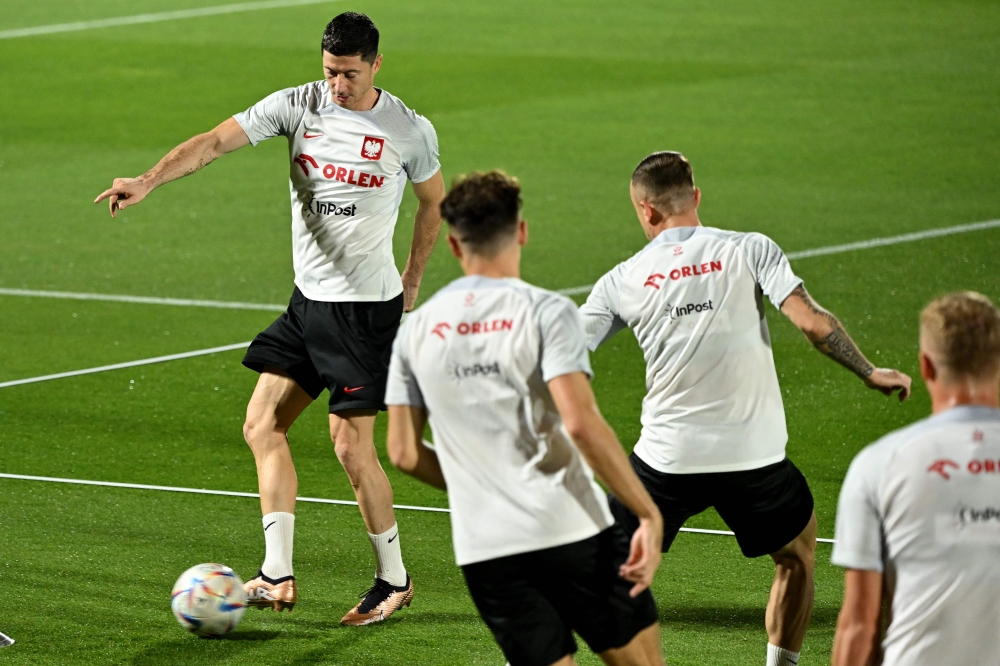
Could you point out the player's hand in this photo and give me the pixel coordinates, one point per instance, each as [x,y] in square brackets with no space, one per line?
[644,555]
[411,287]
[124,192]
[888,381]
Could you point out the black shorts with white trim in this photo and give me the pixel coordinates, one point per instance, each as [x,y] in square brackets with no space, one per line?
[341,346]
[533,602]
[766,507]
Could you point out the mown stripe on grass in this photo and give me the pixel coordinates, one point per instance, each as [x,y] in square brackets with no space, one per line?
[155,18]
[569,291]
[314,500]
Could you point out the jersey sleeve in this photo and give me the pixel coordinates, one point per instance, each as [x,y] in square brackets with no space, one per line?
[402,387]
[420,160]
[859,536]
[278,113]
[601,314]
[563,345]
[770,268]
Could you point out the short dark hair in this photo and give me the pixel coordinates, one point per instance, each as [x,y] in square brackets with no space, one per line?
[351,34]
[666,179]
[483,209]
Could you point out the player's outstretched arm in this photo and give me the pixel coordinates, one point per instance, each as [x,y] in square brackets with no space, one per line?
[856,642]
[406,445]
[185,159]
[600,448]
[827,334]
[426,229]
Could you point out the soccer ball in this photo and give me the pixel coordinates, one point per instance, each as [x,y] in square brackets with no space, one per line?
[208,599]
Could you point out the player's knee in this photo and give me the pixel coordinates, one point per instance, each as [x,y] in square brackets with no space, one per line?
[258,431]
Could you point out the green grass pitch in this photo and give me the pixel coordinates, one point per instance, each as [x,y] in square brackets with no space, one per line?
[815,123]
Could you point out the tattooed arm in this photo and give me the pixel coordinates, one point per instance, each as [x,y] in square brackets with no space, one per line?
[192,155]
[827,334]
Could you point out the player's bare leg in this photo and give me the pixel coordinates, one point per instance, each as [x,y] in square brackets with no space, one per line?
[353,434]
[275,404]
[791,602]
[643,650]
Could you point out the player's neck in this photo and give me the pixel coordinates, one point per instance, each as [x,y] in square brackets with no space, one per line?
[689,219]
[970,392]
[505,264]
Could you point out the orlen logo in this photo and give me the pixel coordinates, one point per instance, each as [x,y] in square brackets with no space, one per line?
[696,269]
[439,329]
[941,467]
[341,174]
[651,280]
[477,327]
[371,148]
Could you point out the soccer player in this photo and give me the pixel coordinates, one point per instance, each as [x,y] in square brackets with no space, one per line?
[500,368]
[918,523]
[352,148]
[713,424]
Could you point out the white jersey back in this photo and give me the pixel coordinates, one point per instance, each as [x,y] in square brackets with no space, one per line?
[693,299]
[348,171]
[478,356]
[922,505]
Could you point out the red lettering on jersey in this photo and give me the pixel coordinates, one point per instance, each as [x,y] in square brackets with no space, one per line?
[990,466]
[329,171]
[651,280]
[691,271]
[341,174]
[350,178]
[376,181]
[485,326]
[363,179]
[975,466]
[941,467]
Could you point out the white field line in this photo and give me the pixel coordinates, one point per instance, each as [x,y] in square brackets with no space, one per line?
[156,18]
[200,491]
[850,247]
[149,300]
[570,291]
[128,364]
[314,500]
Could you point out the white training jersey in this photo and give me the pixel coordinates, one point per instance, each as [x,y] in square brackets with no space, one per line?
[478,357]
[922,505]
[347,174]
[692,297]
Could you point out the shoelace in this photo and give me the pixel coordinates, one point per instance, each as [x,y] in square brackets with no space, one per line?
[383,588]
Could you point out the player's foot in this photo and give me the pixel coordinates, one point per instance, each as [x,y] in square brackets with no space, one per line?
[276,593]
[379,602]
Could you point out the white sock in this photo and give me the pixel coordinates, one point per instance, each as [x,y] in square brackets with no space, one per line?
[388,558]
[279,529]
[777,656]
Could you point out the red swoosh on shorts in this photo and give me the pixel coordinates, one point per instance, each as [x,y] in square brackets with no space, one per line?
[352,390]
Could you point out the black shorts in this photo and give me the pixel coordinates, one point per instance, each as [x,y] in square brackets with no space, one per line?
[766,507]
[533,602]
[344,347]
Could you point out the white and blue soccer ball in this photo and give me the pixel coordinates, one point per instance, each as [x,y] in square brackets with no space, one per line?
[208,599]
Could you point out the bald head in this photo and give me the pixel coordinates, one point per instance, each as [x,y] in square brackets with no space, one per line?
[960,333]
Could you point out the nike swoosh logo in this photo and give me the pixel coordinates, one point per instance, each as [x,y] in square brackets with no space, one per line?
[271,523]
[307,135]
[352,390]
[393,537]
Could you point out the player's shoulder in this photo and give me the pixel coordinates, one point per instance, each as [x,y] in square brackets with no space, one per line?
[310,96]
[395,112]
[876,459]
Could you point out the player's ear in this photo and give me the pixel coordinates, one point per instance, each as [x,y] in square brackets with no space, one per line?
[377,65]
[927,369]
[456,248]
[697,197]
[650,215]
[522,232]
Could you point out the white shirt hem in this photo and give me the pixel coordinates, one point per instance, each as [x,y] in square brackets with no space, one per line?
[707,469]
[472,557]
[345,298]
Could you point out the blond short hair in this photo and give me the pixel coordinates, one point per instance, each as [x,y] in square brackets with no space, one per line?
[964,330]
